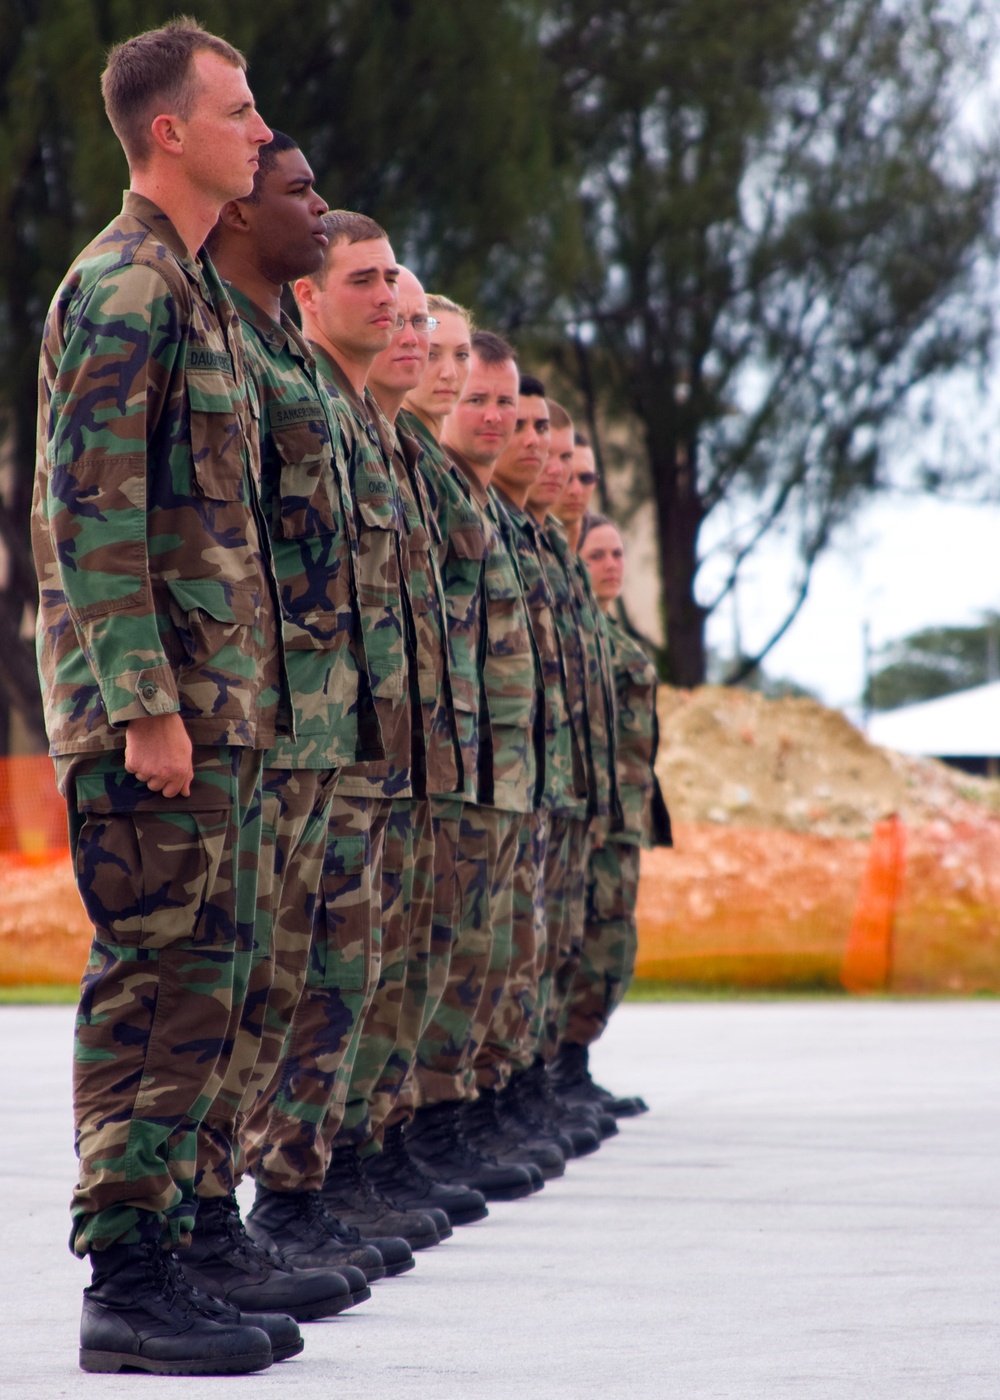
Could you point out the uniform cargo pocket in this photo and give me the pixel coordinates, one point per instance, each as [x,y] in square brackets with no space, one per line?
[215,622]
[150,879]
[341,951]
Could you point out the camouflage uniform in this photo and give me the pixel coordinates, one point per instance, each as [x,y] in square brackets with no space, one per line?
[157,596]
[488,834]
[609,939]
[293,1127]
[307,504]
[594,802]
[508,1043]
[395,1018]
[459,872]
[516,700]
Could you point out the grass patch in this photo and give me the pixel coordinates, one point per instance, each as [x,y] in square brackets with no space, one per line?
[42,994]
[645,989]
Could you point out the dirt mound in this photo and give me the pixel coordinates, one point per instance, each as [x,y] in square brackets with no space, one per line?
[733,757]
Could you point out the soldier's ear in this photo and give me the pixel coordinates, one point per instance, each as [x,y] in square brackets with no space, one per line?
[232,215]
[166,134]
[304,293]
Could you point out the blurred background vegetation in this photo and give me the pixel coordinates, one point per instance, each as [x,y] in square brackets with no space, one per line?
[749,237]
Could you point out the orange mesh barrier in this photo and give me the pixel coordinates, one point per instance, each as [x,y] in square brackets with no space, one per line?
[868,956]
[729,906]
[751,907]
[32,814]
[44,932]
[746,906]
[947,930]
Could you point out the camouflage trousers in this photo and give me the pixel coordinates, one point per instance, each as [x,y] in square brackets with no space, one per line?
[505,1042]
[565,909]
[170,887]
[480,954]
[287,1133]
[295,813]
[446,906]
[610,941]
[394,1016]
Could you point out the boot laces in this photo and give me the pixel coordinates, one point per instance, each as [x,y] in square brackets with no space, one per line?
[207,1304]
[398,1162]
[349,1166]
[319,1215]
[242,1243]
[163,1274]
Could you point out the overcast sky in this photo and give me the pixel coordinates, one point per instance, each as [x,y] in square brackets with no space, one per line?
[905,564]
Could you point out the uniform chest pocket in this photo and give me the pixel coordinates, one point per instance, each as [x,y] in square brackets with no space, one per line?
[306,504]
[217,438]
[421,580]
[378,566]
[462,565]
[506,617]
[635,682]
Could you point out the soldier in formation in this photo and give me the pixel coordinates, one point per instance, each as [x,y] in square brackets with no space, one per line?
[357,760]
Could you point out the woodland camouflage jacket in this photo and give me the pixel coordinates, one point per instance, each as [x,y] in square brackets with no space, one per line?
[157,592]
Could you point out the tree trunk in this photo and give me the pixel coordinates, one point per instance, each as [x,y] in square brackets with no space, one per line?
[678,522]
[18,673]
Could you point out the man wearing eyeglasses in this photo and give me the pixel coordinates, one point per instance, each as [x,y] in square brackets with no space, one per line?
[577,494]
[349,312]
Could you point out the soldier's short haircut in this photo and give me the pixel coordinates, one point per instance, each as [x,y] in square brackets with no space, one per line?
[558,417]
[531,387]
[151,74]
[580,439]
[436,303]
[345,226]
[267,159]
[492,349]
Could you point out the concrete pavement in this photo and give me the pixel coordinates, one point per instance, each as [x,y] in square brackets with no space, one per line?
[809,1211]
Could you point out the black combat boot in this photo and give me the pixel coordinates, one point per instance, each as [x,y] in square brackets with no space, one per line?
[224,1261]
[570,1076]
[136,1318]
[435,1138]
[529,1106]
[402,1180]
[308,1235]
[441,1218]
[353,1199]
[481,1125]
[282,1331]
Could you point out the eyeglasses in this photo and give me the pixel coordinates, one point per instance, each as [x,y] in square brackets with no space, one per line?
[586,478]
[423,325]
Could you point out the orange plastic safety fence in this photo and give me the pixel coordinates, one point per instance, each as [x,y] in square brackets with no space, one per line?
[868,956]
[913,911]
[32,814]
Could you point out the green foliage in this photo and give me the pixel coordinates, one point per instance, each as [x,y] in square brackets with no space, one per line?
[936,661]
[784,226]
[751,230]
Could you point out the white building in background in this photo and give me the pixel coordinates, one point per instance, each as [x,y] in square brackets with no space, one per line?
[963,729]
